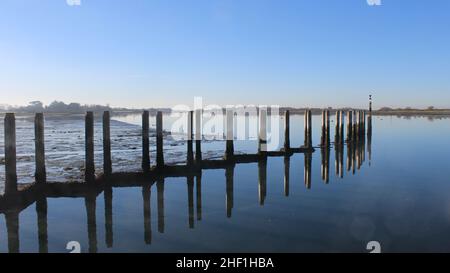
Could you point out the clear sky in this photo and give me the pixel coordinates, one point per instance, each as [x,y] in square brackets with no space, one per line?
[144,53]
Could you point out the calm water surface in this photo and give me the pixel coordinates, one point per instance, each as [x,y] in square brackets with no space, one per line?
[399,197]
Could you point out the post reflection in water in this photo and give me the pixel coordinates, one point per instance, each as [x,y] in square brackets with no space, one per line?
[369,145]
[109,238]
[190,188]
[90,202]
[349,161]
[229,177]
[262,180]
[287,167]
[307,170]
[41,211]
[146,195]
[325,167]
[160,195]
[12,228]
[199,196]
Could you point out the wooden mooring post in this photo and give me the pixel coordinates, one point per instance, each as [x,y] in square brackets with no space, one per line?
[325,138]
[287,131]
[229,152]
[40,173]
[356,126]
[145,142]
[10,154]
[198,136]
[349,125]
[262,143]
[308,129]
[107,162]
[341,126]
[337,128]
[159,141]
[324,129]
[89,147]
[190,134]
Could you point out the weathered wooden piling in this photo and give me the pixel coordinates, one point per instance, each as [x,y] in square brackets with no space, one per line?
[364,123]
[89,146]
[190,134]
[287,131]
[324,129]
[40,172]
[357,125]
[308,129]
[107,162]
[229,178]
[146,193]
[229,152]
[41,211]
[262,143]
[159,141]
[341,126]
[198,136]
[10,154]
[337,127]
[369,144]
[349,126]
[327,131]
[369,118]
[145,142]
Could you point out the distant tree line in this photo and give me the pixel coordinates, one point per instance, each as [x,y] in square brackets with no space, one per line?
[71,108]
[57,107]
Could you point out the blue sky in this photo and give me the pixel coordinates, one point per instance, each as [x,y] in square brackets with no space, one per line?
[144,53]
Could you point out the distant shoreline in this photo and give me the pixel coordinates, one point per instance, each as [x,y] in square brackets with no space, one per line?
[294,111]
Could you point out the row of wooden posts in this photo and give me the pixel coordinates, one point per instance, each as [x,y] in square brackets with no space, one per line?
[355,128]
